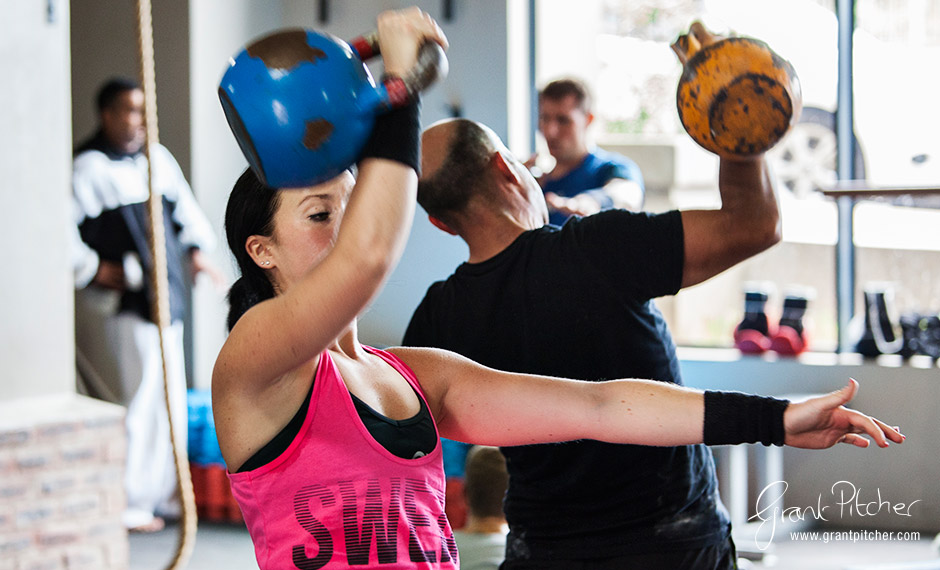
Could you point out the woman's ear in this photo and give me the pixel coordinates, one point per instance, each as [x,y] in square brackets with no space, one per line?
[257,248]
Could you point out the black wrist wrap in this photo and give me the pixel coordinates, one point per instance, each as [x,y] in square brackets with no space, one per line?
[396,136]
[733,417]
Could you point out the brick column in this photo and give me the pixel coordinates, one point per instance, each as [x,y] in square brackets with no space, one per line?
[61,484]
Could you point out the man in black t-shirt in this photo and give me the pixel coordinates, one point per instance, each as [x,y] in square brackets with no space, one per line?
[577,302]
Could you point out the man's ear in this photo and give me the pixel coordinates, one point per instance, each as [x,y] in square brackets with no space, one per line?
[589,118]
[503,169]
[441,225]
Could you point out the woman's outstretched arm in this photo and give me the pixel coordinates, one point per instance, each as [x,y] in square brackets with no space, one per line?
[477,404]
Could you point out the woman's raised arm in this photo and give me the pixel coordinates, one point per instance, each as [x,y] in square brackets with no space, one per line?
[323,287]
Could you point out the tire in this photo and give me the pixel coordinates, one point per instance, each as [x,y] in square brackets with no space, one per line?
[805,160]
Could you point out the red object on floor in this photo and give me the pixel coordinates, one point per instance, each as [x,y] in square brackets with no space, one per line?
[750,341]
[198,475]
[455,506]
[214,500]
[786,341]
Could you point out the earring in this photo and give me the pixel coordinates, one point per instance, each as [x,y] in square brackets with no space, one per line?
[266,263]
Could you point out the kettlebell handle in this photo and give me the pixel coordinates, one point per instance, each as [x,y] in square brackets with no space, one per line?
[431,66]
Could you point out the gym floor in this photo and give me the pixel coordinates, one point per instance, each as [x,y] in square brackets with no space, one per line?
[218,545]
[223,545]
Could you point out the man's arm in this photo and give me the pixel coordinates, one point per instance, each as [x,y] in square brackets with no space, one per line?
[626,194]
[622,188]
[195,229]
[616,193]
[201,264]
[195,232]
[747,223]
[87,267]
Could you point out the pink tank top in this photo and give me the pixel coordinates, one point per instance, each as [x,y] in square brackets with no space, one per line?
[337,498]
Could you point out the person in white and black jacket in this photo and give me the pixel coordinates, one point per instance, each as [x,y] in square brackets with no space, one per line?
[116,339]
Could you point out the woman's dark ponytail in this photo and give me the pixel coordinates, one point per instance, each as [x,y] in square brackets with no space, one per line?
[250,211]
[244,295]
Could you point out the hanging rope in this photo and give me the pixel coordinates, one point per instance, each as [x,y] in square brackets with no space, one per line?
[159,283]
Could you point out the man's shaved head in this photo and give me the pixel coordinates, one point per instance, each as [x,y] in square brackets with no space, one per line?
[454,158]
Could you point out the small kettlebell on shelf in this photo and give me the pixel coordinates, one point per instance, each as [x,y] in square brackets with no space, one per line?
[736,97]
[302,103]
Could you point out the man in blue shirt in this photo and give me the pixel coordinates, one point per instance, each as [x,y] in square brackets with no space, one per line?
[583,181]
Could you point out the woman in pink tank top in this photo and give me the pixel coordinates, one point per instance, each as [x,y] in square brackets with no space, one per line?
[333,496]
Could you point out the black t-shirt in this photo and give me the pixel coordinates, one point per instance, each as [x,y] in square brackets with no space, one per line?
[577,302]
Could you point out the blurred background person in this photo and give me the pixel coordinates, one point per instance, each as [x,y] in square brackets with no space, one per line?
[482,541]
[117,341]
[585,179]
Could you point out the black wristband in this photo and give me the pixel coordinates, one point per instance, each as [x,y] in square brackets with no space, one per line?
[396,136]
[734,417]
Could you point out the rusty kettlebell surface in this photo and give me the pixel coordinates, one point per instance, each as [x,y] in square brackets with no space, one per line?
[736,96]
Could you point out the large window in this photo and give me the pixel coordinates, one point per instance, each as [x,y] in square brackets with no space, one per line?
[621,48]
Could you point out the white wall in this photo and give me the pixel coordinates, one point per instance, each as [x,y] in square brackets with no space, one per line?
[561,58]
[218,29]
[36,347]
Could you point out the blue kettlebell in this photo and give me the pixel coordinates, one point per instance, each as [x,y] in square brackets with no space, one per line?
[302,103]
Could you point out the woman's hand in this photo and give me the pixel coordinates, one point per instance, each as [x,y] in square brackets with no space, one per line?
[823,421]
[401,34]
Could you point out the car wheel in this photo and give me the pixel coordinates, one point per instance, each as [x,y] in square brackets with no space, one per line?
[805,160]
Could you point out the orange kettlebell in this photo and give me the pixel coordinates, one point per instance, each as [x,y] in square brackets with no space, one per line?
[736,97]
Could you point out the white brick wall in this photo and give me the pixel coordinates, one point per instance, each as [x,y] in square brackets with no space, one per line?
[61,484]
